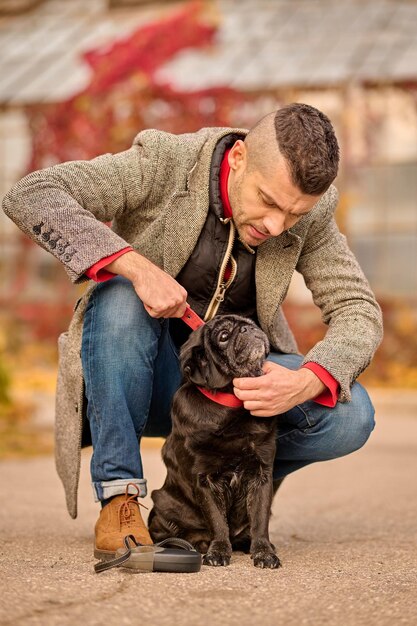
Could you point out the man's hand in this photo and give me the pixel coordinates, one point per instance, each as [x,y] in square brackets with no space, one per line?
[162,295]
[278,390]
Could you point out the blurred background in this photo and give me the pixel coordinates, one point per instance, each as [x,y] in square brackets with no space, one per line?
[81,78]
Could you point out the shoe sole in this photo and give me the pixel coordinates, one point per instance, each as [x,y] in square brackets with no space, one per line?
[104,555]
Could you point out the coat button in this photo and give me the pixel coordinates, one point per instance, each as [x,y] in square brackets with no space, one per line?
[38,228]
[67,257]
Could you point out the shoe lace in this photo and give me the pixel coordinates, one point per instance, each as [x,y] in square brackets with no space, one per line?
[130,507]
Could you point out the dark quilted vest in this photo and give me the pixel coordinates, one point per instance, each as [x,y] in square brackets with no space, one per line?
[200,274]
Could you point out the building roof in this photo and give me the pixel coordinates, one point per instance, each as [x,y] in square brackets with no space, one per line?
[41,51]
[267,44]
[272,44]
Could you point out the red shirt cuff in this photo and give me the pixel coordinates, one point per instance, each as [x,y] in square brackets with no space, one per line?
[98,272]
[329,396]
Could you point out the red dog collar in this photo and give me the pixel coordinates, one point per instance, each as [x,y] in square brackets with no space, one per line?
[226,399]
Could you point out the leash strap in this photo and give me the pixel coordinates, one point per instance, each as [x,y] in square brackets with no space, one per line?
[105,565]
[191,318]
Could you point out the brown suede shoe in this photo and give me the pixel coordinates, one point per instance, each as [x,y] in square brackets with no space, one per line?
[120,517]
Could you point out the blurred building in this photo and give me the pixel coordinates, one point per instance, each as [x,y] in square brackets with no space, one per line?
[355,60]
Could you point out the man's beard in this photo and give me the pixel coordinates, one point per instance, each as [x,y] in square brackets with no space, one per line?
[242,231]
[235,196]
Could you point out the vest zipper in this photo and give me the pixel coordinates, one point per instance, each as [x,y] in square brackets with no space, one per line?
[222,286]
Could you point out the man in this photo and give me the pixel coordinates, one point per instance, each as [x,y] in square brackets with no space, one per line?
[220,219]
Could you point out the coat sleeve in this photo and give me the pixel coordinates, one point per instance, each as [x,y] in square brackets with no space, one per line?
[348,306]
[63,207]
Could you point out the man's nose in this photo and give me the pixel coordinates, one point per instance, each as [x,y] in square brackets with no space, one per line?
[275,224]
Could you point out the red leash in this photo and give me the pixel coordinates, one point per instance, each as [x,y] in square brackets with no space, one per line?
[226,399]
[191,318]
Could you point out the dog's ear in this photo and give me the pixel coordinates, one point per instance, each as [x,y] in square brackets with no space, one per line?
[195,365]
[192,359]
[200,371]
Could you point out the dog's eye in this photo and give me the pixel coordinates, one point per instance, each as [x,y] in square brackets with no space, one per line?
[224,336]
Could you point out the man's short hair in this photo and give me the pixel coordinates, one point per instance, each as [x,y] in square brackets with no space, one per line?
[307,141]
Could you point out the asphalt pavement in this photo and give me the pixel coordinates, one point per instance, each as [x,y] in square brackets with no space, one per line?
[345,530]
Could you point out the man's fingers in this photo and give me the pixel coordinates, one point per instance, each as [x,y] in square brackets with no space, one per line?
[258,409]
[180,311]
[173,311]
[149,310]
[248,394]
[261,413]
[253,405]
[247,383]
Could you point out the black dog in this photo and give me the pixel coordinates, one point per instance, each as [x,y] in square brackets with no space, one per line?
[218,489]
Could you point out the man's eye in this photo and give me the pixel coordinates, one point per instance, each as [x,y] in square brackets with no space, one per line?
[268,202]
[224,336]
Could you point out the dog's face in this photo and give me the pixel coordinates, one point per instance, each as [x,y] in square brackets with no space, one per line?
[226,347]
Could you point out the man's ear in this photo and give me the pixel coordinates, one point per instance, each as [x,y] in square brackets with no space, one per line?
[238,155]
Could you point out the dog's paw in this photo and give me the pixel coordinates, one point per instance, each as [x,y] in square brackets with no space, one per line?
[266,560]
[216,558]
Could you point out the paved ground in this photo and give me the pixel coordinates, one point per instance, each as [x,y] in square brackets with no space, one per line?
[346,532]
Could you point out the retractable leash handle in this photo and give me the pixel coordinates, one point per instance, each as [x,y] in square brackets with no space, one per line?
[170,555]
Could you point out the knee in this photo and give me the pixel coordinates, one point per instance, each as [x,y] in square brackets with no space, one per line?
[117,305]
[363,413]
[116,311]
[116,322]
[355,422]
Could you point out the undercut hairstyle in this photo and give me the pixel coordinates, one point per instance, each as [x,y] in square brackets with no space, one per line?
[307,141]
[305,138]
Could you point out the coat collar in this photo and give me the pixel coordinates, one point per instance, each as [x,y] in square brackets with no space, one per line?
[194,200]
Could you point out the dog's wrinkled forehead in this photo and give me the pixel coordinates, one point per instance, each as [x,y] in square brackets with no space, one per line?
[227,324]
[218,331]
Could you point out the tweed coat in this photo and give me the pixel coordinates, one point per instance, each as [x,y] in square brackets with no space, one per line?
[157,196]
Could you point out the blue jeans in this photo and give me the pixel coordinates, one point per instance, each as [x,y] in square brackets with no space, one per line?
[131,372]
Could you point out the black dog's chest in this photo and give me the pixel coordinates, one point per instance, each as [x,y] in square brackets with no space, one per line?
[226,473]
[235,455]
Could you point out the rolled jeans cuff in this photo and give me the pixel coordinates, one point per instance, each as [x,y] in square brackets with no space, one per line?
[106,489]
